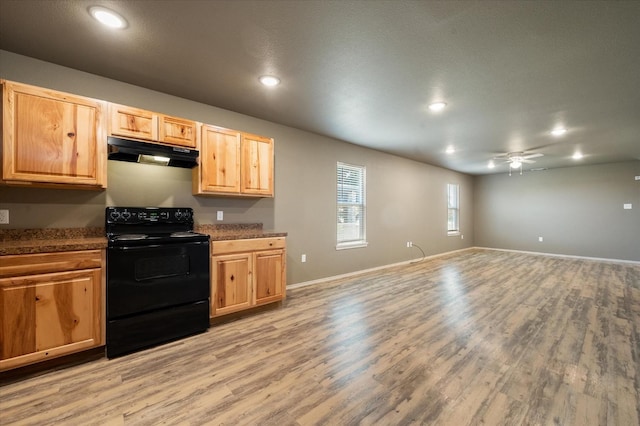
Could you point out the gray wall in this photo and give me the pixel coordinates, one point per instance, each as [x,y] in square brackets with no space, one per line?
[577,210]
[406,200]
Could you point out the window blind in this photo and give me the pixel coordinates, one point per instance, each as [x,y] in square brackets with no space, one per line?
[351,213]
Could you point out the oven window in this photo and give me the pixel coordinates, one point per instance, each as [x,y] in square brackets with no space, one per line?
[161,267]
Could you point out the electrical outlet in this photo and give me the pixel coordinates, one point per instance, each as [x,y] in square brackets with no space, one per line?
[4,217]
[409,244]
[461,237]
[627,206]
[303,258]
[540,239]
[220,215]
[637,177]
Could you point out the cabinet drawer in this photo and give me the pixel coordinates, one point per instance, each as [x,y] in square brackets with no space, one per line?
[251,244]
[30,264]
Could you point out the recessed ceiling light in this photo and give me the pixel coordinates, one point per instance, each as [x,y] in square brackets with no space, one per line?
[558,131]
[437,106]
[450,150]
[108,17]
[269,80]
[577,156]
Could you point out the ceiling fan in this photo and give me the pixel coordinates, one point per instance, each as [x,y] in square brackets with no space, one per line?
[517,159]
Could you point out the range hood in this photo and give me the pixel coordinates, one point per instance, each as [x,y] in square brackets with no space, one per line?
[151,153]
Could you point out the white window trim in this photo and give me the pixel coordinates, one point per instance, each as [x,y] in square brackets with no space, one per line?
[351,245]
[346,245]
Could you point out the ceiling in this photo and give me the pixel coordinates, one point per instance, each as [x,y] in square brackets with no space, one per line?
[365,71]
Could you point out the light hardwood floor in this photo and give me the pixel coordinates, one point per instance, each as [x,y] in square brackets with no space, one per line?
[476,337]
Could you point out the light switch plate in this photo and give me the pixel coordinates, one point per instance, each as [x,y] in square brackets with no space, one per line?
[220,215]
[4,217]
[628,206]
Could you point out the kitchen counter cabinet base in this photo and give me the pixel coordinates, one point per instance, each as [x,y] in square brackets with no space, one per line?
[54,312]
[247,273]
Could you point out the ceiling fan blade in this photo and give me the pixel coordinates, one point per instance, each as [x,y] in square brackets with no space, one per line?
[527,161]
[537,154]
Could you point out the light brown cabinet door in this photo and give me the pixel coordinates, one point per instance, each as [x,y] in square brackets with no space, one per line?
[219,169]
[52,138]
[257,165]
[230,283]
[177,131]
[48,315]
[132,122]
[269,273]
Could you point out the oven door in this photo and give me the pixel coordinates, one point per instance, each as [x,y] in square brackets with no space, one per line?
[146,278]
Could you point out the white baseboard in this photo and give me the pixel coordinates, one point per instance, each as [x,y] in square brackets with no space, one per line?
[365,271]
[568,256]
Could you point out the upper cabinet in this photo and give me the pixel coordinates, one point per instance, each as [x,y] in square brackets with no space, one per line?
[129,122]
[219,169]
[234,163]
[256,165]
[52,139]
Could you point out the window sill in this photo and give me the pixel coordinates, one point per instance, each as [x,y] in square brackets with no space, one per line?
[351,245]
[453,233]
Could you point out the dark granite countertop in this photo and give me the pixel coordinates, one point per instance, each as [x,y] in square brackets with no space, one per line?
[237,231]
[48,240]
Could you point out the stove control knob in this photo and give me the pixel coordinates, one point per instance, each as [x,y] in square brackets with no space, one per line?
[178,214]
[114,215]
[187,215]
[126,215]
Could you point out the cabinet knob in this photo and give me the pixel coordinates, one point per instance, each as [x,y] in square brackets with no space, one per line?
[71,134]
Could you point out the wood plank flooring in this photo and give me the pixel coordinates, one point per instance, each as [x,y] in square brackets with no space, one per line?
[478,337]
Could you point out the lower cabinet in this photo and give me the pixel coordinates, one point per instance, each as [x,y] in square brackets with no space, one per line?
[50,305]
[247,273]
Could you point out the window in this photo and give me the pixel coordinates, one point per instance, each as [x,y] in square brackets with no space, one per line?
[453,208]
[351,206]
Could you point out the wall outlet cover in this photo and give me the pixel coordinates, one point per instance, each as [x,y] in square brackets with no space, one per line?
[4,217]
[628,206]
[220,215]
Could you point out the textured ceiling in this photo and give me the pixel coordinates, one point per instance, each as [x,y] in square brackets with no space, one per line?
[365,71]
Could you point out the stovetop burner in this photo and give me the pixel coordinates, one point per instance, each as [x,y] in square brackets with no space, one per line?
[129,237]
[182,234]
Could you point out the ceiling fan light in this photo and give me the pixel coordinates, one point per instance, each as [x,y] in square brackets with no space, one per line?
[515,164]
[491,164]
[577,156]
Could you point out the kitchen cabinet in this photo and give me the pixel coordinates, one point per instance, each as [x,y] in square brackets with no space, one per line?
[52,139]
[256,165]
[135,123]
[219,168]
[247,273]
[50,305]
[234,163]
